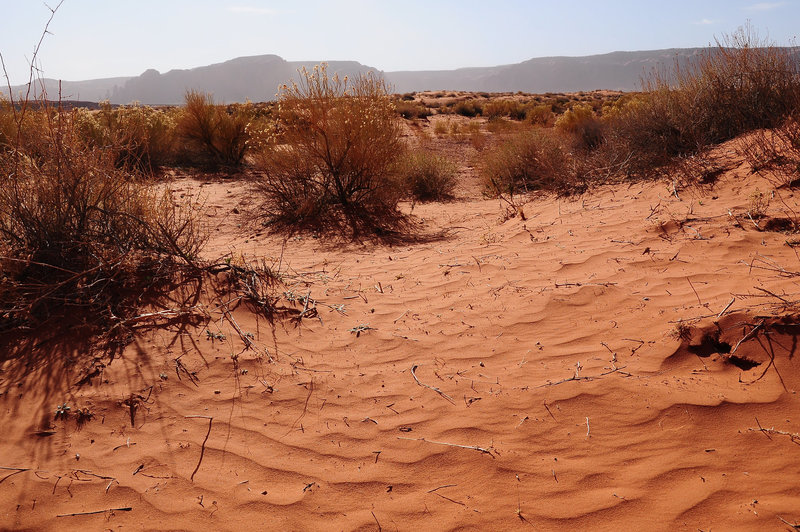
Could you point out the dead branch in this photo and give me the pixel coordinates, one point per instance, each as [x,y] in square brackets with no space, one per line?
[437,390]
[473,447]
[747,336]
[203,446]
[122,509]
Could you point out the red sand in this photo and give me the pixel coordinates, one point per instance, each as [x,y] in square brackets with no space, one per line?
[553,390]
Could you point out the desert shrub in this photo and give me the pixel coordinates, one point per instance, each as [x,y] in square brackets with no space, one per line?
[427,176]
[528,161]
[744,83]
[79,238]
[7,125]
[411,110]
[540,114]
[741,84]
[440,128]
[499,125]
[477,139]
[474,132]
[582,125]
[500,108]
[775,152]
[214,135]
[468,108]
[332,165]
[141,138]
[21,127]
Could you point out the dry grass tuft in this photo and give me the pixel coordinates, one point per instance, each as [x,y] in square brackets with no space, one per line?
[427,176]
[525,162]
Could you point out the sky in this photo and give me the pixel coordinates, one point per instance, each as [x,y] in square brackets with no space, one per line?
[92,39]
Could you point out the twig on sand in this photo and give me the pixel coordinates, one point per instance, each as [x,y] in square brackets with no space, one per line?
[773,295]
[376,520]
[747,336]
[473,447]
[549,412]
[568,284]
[762,430]
[795,438]
[401,315]
[653,210]
[305,405]
[726,307]
[167,314]
[121,509]
[203,446]
[795,525]
[16,471]
[449,499]
[442,487]
[435,389]
[695,291]
[577,377]
[248,343]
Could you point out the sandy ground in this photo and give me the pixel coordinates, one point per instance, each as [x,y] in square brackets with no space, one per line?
[592,366]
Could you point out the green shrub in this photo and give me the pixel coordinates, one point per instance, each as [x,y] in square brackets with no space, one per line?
[333,164]
[427,176]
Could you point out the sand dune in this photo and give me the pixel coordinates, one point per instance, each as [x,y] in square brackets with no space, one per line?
[575,369]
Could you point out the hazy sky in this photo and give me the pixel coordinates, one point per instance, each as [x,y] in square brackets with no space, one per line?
[105,38]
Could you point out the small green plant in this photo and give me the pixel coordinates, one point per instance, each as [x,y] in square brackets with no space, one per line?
[214,336]
[62,410]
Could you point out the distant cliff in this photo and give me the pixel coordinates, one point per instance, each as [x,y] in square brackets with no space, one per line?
[257,78]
